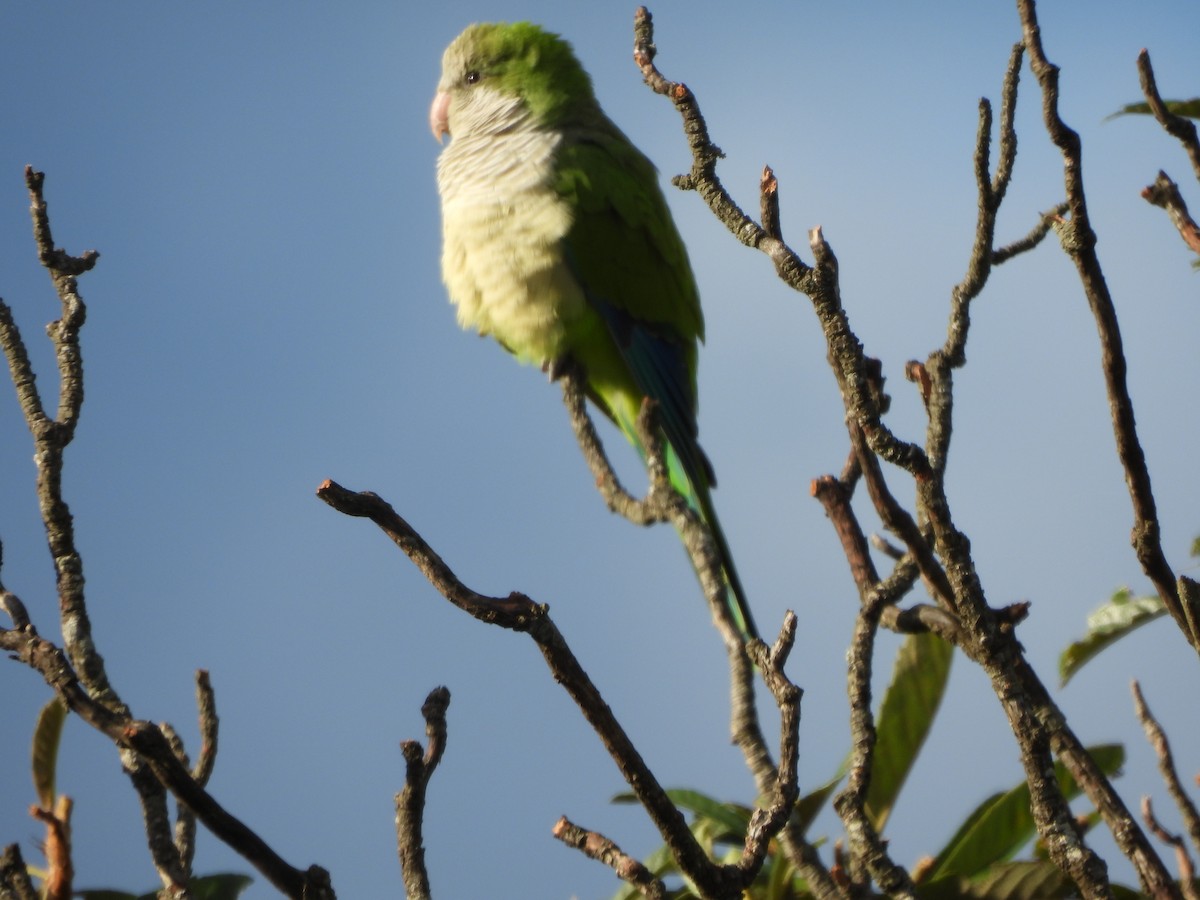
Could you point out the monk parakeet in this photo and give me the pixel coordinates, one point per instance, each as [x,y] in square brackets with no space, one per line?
[557,241]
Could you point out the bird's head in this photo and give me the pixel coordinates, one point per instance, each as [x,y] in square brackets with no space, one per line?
[496,75]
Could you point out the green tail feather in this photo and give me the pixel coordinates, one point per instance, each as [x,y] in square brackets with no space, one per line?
[699,498]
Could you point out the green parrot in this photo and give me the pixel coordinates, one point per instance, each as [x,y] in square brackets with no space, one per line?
[557,242]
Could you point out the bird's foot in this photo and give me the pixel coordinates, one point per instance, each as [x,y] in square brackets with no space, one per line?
[558,367]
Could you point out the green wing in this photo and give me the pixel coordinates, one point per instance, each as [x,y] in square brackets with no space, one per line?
[628,258]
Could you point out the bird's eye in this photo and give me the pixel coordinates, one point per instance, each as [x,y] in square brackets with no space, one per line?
[473,77]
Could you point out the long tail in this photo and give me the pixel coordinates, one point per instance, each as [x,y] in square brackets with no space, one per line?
[639,362]
[698,495]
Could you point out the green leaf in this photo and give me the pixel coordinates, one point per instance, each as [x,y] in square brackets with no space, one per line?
[811,804]
[1195,551]
[905,716]
[1189,109]
[732,819]
[1030,880]
[1111,622]
[1003,824]
[47,736]
[779,877]
[227,886]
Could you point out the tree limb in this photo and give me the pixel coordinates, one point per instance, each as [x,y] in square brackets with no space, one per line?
[1079,240]
[1179,127]
[410,800]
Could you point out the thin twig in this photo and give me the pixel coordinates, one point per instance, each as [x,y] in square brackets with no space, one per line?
[1157,737]
[991,189]
[1035,236]
[60,871]
[648,511]
[851,803]
[185,819]
[152,748]
[518,613]
[14,877]
[1079,239]
[410,800]
[768,190]
[1165,193]
[1179,127]
[662,503]
[596,846]
[766,822]
[76,671]
[1036,722]
[51,437]
[1182,858]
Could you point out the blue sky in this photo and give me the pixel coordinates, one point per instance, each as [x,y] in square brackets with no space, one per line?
[267,312]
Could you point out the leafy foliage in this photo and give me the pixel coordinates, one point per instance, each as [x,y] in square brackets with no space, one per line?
[47,738]
[1108,624]
[1189,109]
[47,735]
[1000,826]
[979,859]
[905,718]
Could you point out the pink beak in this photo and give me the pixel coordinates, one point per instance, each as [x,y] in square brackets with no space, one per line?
[439,115]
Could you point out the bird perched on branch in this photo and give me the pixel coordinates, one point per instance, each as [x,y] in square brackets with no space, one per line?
[557,242]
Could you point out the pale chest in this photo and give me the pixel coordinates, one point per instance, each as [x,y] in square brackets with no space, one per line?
[502,231]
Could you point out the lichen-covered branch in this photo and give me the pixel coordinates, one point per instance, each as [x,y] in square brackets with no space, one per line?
[517,612]
[663,504]
[154,763]
[1179,127]
[410,800]
[1157,737]
[147,741]
[52,435]
[596,846]
[1164,193]
[1079,240]
[867,847]
[940,549]
[14,876]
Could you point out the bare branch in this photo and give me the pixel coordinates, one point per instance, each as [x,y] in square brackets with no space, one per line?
[769,204]
[1032,239]
[185,819]
[152,748]
[1182,858]
[14,877]
[1165,193]
[518,613]
[1179,127]
[867,848]
[1079,240]
[1166,765]
[662,503]
[654,508]
[60,872]
[51,436]
[596,846]
[766,822]
[410,800]
[76,672]
[988,637]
